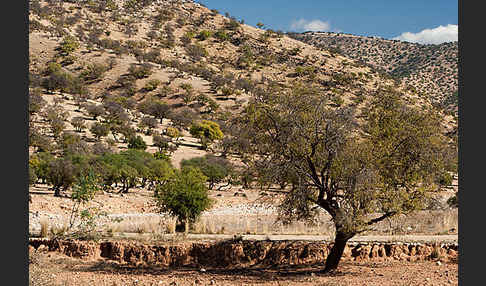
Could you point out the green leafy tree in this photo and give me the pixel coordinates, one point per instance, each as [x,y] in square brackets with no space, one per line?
[207,131]
[359,170]
[78,123]
[137,142]
[216,169]
[100,130]
[185,195]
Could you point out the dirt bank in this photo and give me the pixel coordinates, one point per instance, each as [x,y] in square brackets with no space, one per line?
[242,253]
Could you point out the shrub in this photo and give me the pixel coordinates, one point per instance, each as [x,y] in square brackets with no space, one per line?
[94,72]
[95,110]
[149,123]
[68,45]
[207,131]
[99,129]
[445,179]
[172,132]
[183,118]
[152,84]
[139,72]
[232,24]
[221,35]
[36,102]
[213,167]
[203,35]
[78,123]
[161,142]
[196,52]
[137,143]
[184,195]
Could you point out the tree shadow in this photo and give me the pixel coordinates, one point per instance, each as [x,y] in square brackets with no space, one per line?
[257,272]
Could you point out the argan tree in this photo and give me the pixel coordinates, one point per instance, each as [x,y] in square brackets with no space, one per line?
[184,195]
[361,168]
[207,131]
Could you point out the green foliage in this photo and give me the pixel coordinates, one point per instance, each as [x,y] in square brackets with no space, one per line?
[152,84]
[445,179]
[85,188]
[93,72]
[184,195]
[232,24]
[196,51]
[221,35]
[203,35]
[216,169]
[206,130]
[68,45]
[137,143]
[453,201]
[172,132]
[99,129]
[389,169]
[140,71]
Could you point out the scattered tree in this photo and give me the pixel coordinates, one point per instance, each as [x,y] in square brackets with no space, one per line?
[185,195]
[359,171]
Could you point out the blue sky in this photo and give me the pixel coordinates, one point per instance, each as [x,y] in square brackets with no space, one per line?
[386,19]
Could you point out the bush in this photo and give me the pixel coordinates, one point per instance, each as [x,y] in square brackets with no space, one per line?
[149,123]
[445,179]
[78,123]
[137,143]
[152,84]
[68,45]
[36,102]
[232,24]
[206,131]
[196,52]
[95,110]
[215,168]
[203,35]
[139,72]
[221,35]
[99,129]
[185,195]
[94,72]
[172,132]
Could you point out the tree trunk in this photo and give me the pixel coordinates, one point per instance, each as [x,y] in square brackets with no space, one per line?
[332,260]
[57,191]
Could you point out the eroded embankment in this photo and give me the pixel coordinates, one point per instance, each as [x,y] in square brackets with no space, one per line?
[241,253]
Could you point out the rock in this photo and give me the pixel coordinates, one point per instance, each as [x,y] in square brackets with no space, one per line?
[202,270]
[438,263]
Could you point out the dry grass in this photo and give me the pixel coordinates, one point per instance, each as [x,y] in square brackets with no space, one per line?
[44,231]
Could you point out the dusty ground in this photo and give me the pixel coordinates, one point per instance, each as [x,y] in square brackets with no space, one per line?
[57,269]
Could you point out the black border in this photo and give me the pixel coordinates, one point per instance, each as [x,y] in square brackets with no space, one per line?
[14,116]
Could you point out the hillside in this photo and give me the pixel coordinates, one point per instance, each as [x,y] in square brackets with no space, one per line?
[196,62]
[427,69]
[102,73]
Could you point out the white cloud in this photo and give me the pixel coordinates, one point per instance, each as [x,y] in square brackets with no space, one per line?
[312,25]
[437,35]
